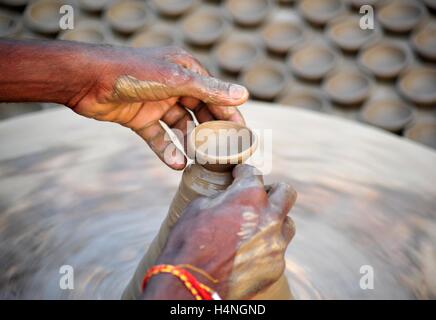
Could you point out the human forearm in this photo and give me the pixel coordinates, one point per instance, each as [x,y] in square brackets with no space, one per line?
[45,71]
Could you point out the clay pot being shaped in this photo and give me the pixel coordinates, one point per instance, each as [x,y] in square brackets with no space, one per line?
[126,16]
[347,87]
[308,99]
[424,41]
[248,13]
[320,12]
[418,84]
[281,36]
[173,8]
[312,61]
[424,133]
[204,27]
[153,37]
[86,31]
[264,79]
[345,32]
[236,52]
[389,113]
[43,16]
[9,26]
[93,6]
[400,16]
[385,59]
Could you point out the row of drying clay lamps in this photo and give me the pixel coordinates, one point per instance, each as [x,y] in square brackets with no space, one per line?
[205,179]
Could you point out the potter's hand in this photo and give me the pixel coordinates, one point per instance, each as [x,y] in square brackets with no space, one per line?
[132,87]
[139,87]
[239,237]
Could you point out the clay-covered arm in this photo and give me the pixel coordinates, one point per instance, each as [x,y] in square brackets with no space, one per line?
[46,71]
[238,237]
[136,88]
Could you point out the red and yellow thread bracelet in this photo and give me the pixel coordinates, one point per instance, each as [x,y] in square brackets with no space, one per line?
[199,290]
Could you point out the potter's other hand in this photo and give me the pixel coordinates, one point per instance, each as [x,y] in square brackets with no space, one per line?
[140,87]
[239,237]
[137,88]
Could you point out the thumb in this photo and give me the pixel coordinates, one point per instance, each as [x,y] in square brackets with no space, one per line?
[213,91]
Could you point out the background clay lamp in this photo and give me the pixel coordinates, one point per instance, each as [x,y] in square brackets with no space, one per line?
[173,8]
[347,87]
[400,15]
[236,52]
[248,12]
[385,59]
[9,26]
[312,61]
[431,5]
[281,36]
[43,16]
[154,37]
[389,114]
[345,32]
[424,41]
[264,79]
[93,6]
[204,27]
[15,3]
[424,133]
[126,16]
[86,31]
[418,84]
[309,99]
[356,4]
[320,12]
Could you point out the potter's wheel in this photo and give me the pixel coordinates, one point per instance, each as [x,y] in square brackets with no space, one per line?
[91,195]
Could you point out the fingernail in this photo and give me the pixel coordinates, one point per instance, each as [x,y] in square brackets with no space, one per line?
[237,91]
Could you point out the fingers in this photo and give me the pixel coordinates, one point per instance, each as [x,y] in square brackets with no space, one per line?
[180,122]
[216,92]
[288,229]
[159,141]
[246,176]
[281,198]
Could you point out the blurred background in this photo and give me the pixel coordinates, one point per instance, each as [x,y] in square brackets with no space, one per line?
[310,54]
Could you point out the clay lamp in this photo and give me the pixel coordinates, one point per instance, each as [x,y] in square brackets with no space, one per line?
[248,13]
[43,16]
[431,5]
[86,31]
[204,27]
[345,32]
[424,41]
[400,16]
[9,26]
[385,59]
[312,61]
[281,36]
[418,84]
[424,133]
[388,113]
[347,87]
[173,8]
[220,145]
[356,4]
[308,99]
[126,16]
[320,12]
[154,37]
[264,79]
[93,6]
[236,52]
